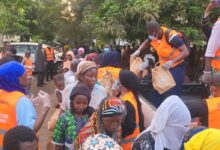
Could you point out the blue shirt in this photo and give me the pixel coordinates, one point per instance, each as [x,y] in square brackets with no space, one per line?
[112,58]
[25,112]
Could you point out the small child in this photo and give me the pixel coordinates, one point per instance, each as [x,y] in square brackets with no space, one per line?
[72,121]
[59,84]
[29,71]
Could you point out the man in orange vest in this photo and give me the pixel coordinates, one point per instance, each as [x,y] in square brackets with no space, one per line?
[171,52]
[28,69]
[212,55]
[213,104]
[208,110]
[50,57]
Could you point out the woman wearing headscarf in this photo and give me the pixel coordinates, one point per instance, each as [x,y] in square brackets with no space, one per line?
[86,73]
[15,107]
[92,57]
[167,128]
[72,121]
[134,122]
[80,53]
[203,139]
[69,58]
[100,142]
[106,120]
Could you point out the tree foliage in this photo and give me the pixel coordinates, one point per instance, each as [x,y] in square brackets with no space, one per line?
[80,21]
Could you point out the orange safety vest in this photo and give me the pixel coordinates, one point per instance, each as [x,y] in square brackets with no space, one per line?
[28,63]
[49,54]
[8,102]
[128,140]
[216,60]
[213,112]
[114,71]
[164,50]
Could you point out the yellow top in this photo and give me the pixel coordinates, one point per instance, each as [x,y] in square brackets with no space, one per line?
[208,139]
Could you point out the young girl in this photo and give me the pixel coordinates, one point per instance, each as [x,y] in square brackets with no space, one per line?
[69,58]
[71,122]
[59,83]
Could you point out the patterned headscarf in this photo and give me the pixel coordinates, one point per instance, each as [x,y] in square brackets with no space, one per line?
[109,107]
[9,77]
[100,142]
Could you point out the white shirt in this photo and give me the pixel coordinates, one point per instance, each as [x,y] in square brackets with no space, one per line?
[69,77]
[97,95]
[214,41]
[170,124]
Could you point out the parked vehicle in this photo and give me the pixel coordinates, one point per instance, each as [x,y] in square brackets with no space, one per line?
[21,47]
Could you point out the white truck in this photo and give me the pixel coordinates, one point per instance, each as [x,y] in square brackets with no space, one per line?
[21,47]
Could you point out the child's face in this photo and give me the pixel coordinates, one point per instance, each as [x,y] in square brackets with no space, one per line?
[27,55]
[59,84]
[80,104]
[69,57]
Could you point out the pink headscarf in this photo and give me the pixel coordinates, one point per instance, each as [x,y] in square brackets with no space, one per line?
[81,51]
[67,63]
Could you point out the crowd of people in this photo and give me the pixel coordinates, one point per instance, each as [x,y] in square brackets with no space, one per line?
[99,106]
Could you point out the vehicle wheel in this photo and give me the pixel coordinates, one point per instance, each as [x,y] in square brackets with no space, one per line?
[58,67]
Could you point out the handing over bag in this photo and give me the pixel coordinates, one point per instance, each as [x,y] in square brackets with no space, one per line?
[162,79]
[135,63]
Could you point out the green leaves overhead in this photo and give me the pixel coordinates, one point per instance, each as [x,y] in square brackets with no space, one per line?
[79,21]
[112,19]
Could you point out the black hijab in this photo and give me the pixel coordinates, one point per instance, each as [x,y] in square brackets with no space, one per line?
[129,80]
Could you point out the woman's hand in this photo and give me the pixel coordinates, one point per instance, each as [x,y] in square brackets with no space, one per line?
[213,4]
[43,98]
[46,101]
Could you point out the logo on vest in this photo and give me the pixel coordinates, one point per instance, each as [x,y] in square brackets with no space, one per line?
[3,118]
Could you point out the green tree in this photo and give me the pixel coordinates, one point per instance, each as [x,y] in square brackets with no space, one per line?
[29,18]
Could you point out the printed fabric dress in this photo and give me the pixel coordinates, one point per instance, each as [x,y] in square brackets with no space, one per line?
[67,129]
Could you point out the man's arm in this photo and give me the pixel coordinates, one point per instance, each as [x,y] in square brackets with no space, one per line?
[54,54]
[205,19]
[177,43]
[184,52]
[143,46]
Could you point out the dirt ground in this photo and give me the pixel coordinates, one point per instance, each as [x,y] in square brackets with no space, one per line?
[44,133]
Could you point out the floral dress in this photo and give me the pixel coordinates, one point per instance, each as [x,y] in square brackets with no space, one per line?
[67,129]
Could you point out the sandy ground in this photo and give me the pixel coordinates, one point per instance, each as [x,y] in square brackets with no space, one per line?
[44,133]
